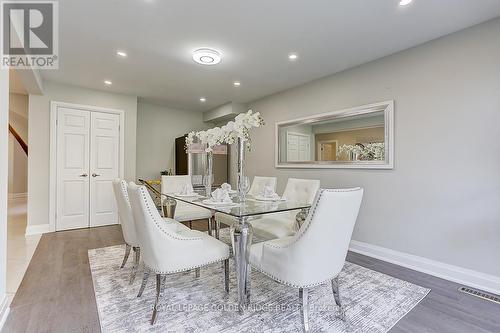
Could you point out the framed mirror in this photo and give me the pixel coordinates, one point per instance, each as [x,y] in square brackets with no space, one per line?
[358,138]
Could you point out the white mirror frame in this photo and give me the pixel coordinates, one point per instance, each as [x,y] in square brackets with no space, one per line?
[387,107]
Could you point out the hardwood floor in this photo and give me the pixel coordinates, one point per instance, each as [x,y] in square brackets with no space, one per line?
[56,294]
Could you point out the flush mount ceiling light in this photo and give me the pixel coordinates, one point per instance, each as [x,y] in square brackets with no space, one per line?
[108,82]
[121,54]
[236,83]
[203,99]
[206,56]
[403,3]
[293,56]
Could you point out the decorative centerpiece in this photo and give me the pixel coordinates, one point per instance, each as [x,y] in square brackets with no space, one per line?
[239,131]
[209,138]
[234,131]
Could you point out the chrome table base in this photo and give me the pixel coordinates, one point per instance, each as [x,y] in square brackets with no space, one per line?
[241,238]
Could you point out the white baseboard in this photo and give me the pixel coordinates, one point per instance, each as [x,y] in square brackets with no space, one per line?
[18,195]
[4,310]
[449,272]
[38,229]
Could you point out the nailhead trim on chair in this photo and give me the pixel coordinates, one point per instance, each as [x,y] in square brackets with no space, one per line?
[292,284]
[124,191]
[123,185]
[160,226]
[186,269]
[310,218]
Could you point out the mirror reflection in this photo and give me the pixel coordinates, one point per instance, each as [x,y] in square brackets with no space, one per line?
[347,138]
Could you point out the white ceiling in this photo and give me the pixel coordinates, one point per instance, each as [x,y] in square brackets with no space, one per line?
[255,37]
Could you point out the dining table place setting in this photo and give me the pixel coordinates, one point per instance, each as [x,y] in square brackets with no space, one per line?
[228,189]
[220,197]
[269,194]
[187,192]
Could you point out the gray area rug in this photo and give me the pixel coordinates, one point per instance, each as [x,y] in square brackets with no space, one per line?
[374,302]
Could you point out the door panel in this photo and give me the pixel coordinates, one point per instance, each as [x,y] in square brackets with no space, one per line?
[304,150]
[72,169]
[104,167]
[298,147]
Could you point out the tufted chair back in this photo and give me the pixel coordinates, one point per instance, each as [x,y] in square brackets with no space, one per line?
[317,252]
[157,239]
[125,212]
[259,183]
[174,184]
[301,191]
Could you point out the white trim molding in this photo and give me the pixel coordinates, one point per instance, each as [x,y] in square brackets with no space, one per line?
[38,229]
[4,310]
[467,277]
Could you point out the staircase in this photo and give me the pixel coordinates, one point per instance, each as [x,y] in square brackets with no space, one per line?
[20,140]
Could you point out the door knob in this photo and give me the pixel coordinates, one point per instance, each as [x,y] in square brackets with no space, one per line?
[95,175]
[83,175]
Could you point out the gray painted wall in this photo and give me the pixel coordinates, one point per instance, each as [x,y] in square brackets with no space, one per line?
[4,174]
[442,200]
[39,135]
[157,128]
[18,161]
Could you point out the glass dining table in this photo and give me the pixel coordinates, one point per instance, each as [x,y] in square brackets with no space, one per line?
[241,232]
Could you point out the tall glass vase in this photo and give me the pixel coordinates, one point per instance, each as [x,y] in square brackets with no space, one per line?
[241,186]
[209,174]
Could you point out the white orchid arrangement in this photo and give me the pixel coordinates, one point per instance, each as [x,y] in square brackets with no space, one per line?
[229,133]
[369,152]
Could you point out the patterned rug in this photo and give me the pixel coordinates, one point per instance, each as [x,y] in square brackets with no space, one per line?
[374,302]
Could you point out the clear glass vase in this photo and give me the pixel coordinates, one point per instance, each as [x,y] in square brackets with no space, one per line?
[242,181]
[209,174]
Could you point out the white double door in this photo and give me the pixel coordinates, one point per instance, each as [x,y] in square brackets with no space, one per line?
[88,154]
[298,147]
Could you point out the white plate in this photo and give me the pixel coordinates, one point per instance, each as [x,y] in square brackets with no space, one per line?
[261,198]
[213,203]
[192,195]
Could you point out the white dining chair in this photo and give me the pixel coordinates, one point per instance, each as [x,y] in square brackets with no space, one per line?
[257,188]
[316,253]
[166,251]
[128,226]
[259,183]
[184,212]
[284,224]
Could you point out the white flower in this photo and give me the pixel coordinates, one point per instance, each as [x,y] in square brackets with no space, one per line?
[229,133]
[369,152]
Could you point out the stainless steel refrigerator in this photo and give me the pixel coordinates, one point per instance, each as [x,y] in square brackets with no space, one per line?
[196,163]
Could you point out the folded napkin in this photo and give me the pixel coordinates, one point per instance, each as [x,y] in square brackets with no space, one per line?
[269,192]
[221,195]
[226,187]
[187,189]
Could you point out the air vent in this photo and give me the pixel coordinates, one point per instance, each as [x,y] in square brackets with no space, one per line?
[480,294]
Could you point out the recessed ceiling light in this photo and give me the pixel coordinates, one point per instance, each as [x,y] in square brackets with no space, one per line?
[236,83]
[293,56]
[108,82]
[206,56]
[121,54]
[203,99]
[403,3]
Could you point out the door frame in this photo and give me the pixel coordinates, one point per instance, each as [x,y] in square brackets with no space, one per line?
[320,155]
[53,150]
